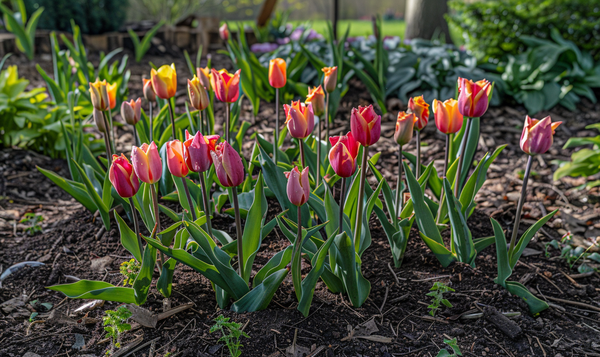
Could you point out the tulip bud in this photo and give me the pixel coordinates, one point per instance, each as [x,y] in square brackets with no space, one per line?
[538,135]
[420,109]
[365,125]
[204,76]
[147,163]
[448,119]
[277,73]
[149,91]
[298,187]
[99,120]
[164,81]
[316,96]
[300,119]
[132,111]
[404,128]
[228,165]
[473,97]
[197,93]
[225,85]
[224,32]
[99,95]
[122,177]
[111,91]
[197,151]
[342,155]
[175,158]
[330,80]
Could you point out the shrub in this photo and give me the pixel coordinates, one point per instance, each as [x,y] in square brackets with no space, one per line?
[494,28]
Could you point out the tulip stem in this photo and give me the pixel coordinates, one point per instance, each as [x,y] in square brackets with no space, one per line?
[361,194]
[418,168]
[200,121]
[399,185]
[157,219]
[206,204]
[326,123]
[297,258]
[151,121]
[238,230]
[189,198]
[227,119]
[172,115]
[439,213]
[276,132]
[135,223]
[107,140]
[342,197]
[515,231]
[136,139]
[112,132]
[318,141]
[302,157]
[461,155]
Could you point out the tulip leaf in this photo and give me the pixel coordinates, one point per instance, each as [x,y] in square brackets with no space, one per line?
[254,223]
[349,271]
[128,238]
[462,240]
[94,195]
[435,183]
[142,282]
[267,147]
[442,253]
[470,149]
[261,295]
[99,290]
[77,190]
[535,305]
[166,182]
[515,254]
[397,236]
[183,201]
[481,243]
[279,261]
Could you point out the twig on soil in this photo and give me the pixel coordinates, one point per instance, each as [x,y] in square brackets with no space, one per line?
[571,280]
[431,278]
[540,344]
[433,319]
[499,345]
[575,303]
[180,332]
[396,278]
[583,275]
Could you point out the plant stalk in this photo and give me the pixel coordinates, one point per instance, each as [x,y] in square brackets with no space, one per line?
[327,122]
[418,168]
[318,141]
[399,185]
[276,132]
[172,115]
[227,120]
[135,223]
[297,265]
[157,219]
[189,198]
[461,155]
[151,121]
[136,139]
[515,231]
[302,157]
[342,198]
[201,121]
[361,194]
[206,204]
[437,220]
[238,229]
[112,132]
[107,141]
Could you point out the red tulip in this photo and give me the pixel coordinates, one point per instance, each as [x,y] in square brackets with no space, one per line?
[224,32]
[225,85]
[447,117]
[420,109]
[342,155]
[197,151]
[123,177]
[277,73]
[147,163]
[175,159]
[538,135]
[404,128]
[300,119]
[473,97]
[132,111]
[298,187]
[228,165]
[365,125]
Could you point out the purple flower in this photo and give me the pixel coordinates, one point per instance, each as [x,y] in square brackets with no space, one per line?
[263,47]
[283,41]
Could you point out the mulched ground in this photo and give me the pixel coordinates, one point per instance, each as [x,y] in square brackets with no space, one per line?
[74,243]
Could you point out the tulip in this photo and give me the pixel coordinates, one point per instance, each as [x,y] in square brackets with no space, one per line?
[175,158]
[226,85]
[99,120]
[365,125]
[164,81]
[224,32]
[111,90]
[132,111]
[149,90]
[342,155]
[99,95]
[198,94]
[298,188]
[204,76]
[300,119]
[228,165]
[123,177]
[316,96]
[147,163]
[538,135]
[197,151]
[404,128]
[330,79]
[277,73]
[473,97]
[448,119]
[420,109]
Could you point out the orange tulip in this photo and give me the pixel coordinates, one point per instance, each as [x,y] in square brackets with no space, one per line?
[316,96]
[420,109]
[175,158]
[226,85]
[473,97]
[111,90]
[447,117]
[164,81]
[277,73]
[330,80]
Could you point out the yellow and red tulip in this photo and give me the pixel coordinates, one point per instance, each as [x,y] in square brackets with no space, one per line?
[123,177]
[148,90]
[342,155]
[228,165]
[204,75]
[473,97]
[224,32]
[404,128]
[538,135]
[198,95]
[448,119]
[298,186]
[175,158]
[277,73]
[99,95]
[300,119]
[365,125]
[225,85]
[197,151]
[420,109]
[164,81]
[316,96]
[147,163]
[111,90]
[330,80]
[132,111]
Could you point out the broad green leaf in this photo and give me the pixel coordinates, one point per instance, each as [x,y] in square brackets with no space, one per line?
[310,281]
[504,268]
[535,305]
[279,261]
[442,253]
[128,238]
[526,238]
[349,271]
[94,195]
[91,289]
[260,297]
[461,235]
[254,223]
[75,189]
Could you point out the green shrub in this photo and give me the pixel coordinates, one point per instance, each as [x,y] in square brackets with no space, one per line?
[92,16]
[493,28]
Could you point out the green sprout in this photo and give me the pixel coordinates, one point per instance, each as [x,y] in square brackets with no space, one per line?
[437,293]
[130,271]
[455,349]
[115,324]
[232,339]
[34,221]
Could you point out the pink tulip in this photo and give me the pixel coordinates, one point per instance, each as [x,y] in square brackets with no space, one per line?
[298,187]
[538,135]
[147,163]
[365,125]
[123,177]
[228,165]
[226,85]
[300,119]
[473,97]
[224,32]
[132,111]
[175,159]
[404,128]
[342,155]
[197,151]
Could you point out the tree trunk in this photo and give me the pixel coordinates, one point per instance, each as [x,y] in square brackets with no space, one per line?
[425,19]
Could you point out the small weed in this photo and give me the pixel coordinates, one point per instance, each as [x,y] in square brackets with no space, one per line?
[130,271]
[437,293]
[34,221]
[115,324]
[572,254]
[232,339]
[455,349]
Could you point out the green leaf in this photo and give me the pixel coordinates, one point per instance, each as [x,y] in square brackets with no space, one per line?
[504,268]
[75,189]
[442,253]
[310,281]
[128,238]
[279,261]
[91,289]
[461,235]
[94,195]
[349,271]
[535,305]
[481,243]
[260,297]
[254,223]
[142,282]
[526,238]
